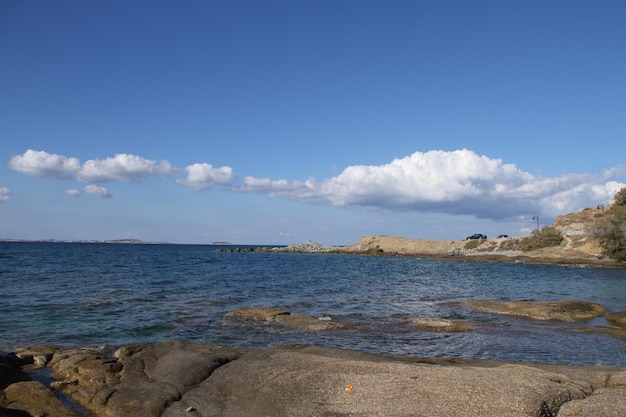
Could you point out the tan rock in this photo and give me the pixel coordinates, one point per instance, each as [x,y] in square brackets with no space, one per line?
[176,379]
[441,325]
[604,402]
[324,382]
[541,310]
[36,399]
[257,313]
[139,380]
[618,318]
[283,318]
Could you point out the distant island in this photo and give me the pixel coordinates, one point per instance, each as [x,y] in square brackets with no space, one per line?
[120,241]
[113,241]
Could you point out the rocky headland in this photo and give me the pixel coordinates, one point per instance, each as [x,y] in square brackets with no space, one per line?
[577,247]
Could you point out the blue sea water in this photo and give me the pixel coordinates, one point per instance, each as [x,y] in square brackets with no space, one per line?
[98,294]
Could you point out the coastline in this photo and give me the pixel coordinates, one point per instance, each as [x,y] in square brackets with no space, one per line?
[176,379]
[569,253]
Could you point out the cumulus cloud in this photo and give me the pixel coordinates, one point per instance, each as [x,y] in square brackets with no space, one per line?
[73,192]
[42,164]
[452,182]
[457,182]
[119,168]
[203,176]
[5,194]
[97,191]
[122,167]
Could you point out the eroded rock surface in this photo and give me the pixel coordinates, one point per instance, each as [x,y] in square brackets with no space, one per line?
[20,396]
[139,380]
[179,379]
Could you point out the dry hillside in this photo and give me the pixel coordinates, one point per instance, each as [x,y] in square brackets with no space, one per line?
[577,246]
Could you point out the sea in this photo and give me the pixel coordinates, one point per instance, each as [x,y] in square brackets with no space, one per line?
[107,295]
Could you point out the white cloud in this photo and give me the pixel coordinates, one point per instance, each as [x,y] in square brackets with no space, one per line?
[97,191]
[122,167]
[203,176]
[42,164]
[5,194]
[450,182]
[457,182]
[73,192]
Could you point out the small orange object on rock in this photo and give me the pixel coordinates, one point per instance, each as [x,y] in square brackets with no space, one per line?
[349,387]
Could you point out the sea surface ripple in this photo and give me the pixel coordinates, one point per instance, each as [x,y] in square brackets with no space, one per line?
[98,294]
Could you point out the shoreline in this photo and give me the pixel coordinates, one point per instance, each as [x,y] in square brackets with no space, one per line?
[490,250]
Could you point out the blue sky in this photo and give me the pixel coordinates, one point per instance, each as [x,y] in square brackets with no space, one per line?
[277,122]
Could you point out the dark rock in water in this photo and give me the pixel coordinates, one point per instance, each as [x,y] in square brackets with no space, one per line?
[10,371]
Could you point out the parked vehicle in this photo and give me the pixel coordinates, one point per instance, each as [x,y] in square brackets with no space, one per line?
[476,236]
[502,236]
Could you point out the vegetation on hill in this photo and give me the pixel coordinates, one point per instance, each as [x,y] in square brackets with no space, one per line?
[542,238]
[610,229]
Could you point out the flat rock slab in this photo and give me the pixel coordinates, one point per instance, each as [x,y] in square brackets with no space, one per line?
[263,315]
[313,381]
[568,311]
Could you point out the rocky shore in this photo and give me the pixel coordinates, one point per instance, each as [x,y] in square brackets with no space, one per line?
[491,250]
[181,379]
[176,379]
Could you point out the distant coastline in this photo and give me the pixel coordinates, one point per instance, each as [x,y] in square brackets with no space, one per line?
[119,241]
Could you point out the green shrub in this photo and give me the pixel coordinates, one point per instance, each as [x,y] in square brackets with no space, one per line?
[472,244]
[542,238]
[610,229]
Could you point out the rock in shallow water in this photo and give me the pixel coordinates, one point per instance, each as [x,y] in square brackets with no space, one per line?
[261,315]
[617,318]
[441,325]
[541,310]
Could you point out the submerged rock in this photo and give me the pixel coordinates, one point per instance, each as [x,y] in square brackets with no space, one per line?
[441,325]
[284,318]
[541,310]
[617,318]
